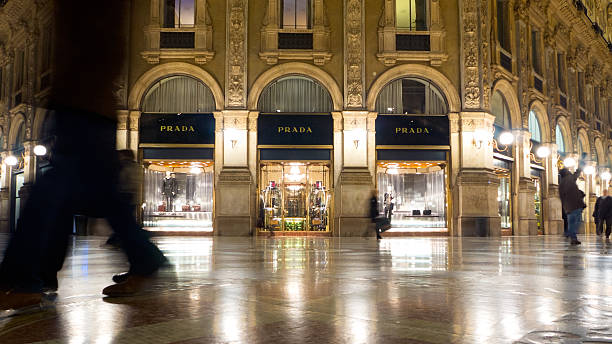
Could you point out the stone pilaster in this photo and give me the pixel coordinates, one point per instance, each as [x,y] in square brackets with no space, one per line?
[122,129]
[133,135]
[233,208]
[352,196]
[354,68]
[551,202]
[236,49]
[524,208]
[29,172]
[475,185]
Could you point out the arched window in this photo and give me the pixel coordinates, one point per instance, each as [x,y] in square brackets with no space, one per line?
[499,108]
[580,148]
[534,127]
[177,94]
[411,96]
[295,94]
[559,139]
[20,137]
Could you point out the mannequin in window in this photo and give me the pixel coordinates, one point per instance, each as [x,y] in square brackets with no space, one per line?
[170,190]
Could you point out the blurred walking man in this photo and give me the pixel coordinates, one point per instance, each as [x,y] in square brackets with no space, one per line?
[88,54]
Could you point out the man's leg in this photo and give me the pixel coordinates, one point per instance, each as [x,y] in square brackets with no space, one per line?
[608,227]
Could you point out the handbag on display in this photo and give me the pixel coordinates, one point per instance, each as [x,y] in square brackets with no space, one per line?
[197,207]
[186,208]
[161,208]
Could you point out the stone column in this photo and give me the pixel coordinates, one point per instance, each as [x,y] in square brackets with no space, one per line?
[551,202]
[475,204]
[525,207]
[590,199]
[234,208]
[5,204]
[354,186]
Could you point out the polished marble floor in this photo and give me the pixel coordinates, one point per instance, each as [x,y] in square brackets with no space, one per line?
[324,290]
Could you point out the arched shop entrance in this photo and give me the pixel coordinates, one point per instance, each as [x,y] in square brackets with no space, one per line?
[295,142]
[17,137]
[503,158]
[177,136]
[412,155]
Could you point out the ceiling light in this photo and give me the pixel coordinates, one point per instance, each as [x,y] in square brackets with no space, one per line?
[40,150]
[506,138]
[543,152]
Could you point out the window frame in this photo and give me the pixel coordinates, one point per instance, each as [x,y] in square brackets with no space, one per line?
[504,27]
[410,30]
[179,26]
[309,17]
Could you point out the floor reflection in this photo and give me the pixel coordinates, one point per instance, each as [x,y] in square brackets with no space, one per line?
[331,290]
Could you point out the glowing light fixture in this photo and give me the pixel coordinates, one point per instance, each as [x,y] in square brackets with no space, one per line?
[606,175]
[196,170]
[543,152]
[506,138]
[11,160]
[589,170]
[569,162]
[392,171]
[40,150]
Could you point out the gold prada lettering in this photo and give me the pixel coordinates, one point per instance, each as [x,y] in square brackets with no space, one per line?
[177,128]
[412,130]
[299,130]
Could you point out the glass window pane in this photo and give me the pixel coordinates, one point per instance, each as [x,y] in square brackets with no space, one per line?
[187,13]
[534,127]
[289,13]
[499,108]
[302,10]
[421,15]
[559,139]
[413,97]
[405,14]
[169,13]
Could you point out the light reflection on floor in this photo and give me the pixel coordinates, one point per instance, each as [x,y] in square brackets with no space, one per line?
[330,290]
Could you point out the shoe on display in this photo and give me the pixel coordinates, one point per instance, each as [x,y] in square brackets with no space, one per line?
[131,286]
[120,278]
[575,242]
[16,300]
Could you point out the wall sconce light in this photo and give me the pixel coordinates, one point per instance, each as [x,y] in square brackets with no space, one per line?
[480,137]
[234,143]
[543,152]
[356,143]
[569,162]
[11,160]
[40,150]
[506,138]
[589,170]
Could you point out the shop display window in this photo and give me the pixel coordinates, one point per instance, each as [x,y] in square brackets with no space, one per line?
[538,203]
[178,194]
[413,194]
[294,196]
[503,197]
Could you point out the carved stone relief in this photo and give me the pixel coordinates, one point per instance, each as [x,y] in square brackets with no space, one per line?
[236,55]
[354,54]
[471,55]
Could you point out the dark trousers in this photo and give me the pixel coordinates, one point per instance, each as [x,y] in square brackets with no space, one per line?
[600,226]
[83,181]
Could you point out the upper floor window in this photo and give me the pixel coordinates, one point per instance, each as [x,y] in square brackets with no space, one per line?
[534,127]
[536,57]
[596,101]
[561,71]
[179,13]
[19,69]
[296,14]
[581,88]
[411,15]
[503,24]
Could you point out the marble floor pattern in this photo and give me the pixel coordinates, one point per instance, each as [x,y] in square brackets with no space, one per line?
[330,290]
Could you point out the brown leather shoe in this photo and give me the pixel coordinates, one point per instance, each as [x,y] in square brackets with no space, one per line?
[132,285]
[16,300]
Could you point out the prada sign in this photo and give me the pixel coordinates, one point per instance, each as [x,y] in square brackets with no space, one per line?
[405,130]
[177,128]
[295,130]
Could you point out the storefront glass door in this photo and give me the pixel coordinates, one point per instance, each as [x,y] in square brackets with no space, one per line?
[503,197]
[295,196]
[413,194]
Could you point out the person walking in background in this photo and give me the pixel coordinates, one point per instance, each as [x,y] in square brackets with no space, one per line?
[605,215]
[375,214]
[84,178]
[596,212]
[572,200]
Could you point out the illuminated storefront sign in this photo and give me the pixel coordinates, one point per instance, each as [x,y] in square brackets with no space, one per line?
[412,130]
[295,130]
[177,129]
